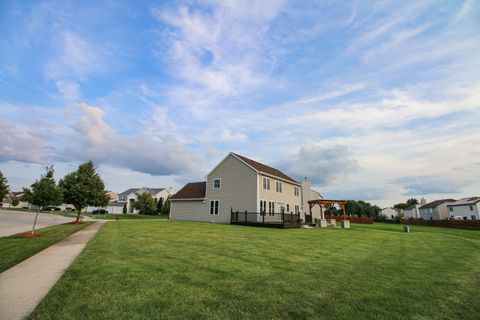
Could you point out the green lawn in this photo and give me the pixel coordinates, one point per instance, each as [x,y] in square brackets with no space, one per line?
[14,250]
[186,270]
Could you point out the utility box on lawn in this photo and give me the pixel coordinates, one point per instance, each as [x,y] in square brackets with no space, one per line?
[406,229]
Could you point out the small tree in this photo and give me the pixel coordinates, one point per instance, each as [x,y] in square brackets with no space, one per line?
[15,201]
[43,192]
[124,208]
[84,187]
[166,206]
[159,205]
[146,204]
[4,188]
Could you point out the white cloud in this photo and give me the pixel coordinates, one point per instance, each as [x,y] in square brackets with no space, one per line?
[20,144]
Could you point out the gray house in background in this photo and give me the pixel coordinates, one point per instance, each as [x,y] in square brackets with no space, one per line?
[465,209]
[435,210]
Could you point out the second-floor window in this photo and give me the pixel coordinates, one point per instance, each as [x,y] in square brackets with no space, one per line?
[471,208]
[266,184]
[216,183]
[278,186]
[451,209]
[296,191]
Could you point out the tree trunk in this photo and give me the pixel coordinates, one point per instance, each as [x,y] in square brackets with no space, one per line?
[35,221]
[78,215]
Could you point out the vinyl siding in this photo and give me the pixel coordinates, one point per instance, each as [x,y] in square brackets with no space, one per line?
[192,210]
[238,190]
[280,198]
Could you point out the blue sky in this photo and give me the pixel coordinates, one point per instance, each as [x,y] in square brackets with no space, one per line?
[375,100]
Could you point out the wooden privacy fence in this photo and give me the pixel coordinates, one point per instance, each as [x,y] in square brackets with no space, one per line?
[362,220]
[460,224]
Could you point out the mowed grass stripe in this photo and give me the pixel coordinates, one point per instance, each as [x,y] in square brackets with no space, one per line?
[187,270]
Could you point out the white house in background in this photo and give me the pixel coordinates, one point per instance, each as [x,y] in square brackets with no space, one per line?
[390,213]
[129,196]
[435,210]
[309,194]
[7,201]
[465,208]
[237,183]
[413,212]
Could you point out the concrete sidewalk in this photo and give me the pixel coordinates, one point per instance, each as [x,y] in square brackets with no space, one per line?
[23,286]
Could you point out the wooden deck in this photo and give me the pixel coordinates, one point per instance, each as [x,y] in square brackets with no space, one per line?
[259,219]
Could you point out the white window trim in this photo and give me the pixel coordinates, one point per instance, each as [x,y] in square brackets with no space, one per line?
[210,208]
[213,183]
[266,183]
[278,186]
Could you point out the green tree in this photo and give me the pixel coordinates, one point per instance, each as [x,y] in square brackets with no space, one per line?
[146,204]
[402,206]
[43,193]
[124,208]
[351,207]
[412,201]
[166,206]
[4,188]
[84,187]
[159,205]
[15,201]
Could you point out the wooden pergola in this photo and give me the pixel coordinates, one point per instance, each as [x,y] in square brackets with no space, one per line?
[327,204]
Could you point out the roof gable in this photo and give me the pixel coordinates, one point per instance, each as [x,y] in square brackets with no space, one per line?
[264,168]
[436,203]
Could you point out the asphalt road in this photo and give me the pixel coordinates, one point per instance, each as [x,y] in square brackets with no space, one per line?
[12,222]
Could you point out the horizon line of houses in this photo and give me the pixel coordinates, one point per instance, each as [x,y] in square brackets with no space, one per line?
[463,209]
[238,183]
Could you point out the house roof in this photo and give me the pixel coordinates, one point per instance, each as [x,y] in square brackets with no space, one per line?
[192,190]
[152,191]
[465,201]
[264,168]
[436,203]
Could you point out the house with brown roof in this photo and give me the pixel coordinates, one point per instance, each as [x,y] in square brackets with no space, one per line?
[239,184]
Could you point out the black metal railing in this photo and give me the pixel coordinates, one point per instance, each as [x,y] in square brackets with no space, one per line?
[281,220]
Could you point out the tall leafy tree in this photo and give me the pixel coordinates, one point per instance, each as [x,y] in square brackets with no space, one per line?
[146,204]
[84,187]
[4,188]
[44,192]
[166,206]
[412,201]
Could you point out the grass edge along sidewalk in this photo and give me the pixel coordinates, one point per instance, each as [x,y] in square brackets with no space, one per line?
[14,249]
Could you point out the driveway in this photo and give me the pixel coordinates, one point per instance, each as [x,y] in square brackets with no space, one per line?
[12,222]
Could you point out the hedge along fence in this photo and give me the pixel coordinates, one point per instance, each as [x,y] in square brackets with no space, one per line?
[361,220]
[460,224]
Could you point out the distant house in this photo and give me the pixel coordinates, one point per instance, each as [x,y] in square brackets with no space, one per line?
[391,213]
[435,210]
[413,212]
[8,200]
[465,208]
[237,183]
[129,196]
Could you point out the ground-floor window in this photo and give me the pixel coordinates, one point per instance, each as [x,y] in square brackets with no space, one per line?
[263,206]
[271,208]
[288,208]
[214,204]
[297,209]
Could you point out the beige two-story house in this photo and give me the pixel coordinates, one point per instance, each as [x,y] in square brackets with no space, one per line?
[239,184]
